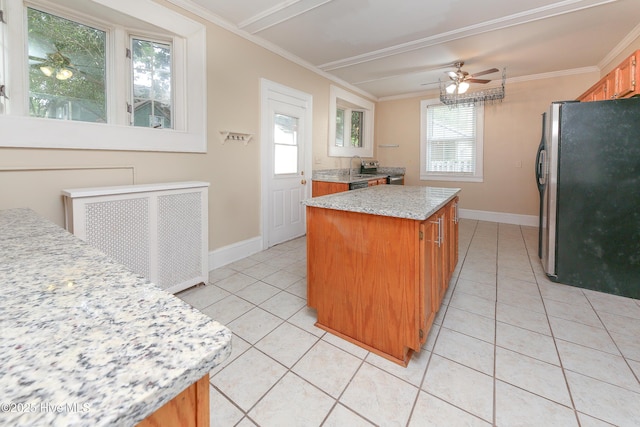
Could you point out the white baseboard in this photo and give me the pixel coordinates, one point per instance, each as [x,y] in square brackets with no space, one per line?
[506,218]
[234,252]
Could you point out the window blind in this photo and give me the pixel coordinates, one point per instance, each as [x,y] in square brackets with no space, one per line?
[451,139]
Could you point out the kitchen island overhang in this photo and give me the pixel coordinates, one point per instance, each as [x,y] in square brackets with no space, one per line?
[379,260]
[86,342]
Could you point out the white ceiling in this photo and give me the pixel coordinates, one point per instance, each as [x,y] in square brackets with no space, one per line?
[388,48]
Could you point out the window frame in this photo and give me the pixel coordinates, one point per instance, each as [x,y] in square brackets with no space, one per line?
[349,102]
[188,39]
[478,175]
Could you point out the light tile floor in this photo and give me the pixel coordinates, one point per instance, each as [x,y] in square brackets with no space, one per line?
[508,348]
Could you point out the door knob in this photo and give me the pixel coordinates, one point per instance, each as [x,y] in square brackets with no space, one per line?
[303,182]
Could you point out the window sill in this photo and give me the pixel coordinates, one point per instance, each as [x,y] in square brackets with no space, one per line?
[30,132]
[451,178]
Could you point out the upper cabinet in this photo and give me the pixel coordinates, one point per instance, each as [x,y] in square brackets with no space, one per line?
[619,83]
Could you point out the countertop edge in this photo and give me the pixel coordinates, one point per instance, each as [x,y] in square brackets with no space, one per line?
[391,201]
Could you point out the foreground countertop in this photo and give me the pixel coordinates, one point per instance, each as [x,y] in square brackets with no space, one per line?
[84,340]
[400,201]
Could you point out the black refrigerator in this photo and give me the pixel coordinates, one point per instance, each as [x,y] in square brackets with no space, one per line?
[588,174]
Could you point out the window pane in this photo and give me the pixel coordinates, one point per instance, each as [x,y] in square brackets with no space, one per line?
[451,139]
[66,69]
[285,138]
[339,128]
[357,118]
[151,84]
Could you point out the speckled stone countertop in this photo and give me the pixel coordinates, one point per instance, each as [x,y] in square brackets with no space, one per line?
[400,201]
[342,175]
[85,342]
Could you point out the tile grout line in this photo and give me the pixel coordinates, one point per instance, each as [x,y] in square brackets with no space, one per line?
[555,343]
[495,333]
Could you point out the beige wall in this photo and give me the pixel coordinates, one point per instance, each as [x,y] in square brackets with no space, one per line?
[511,137]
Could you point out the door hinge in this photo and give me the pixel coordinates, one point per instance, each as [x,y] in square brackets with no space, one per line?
[2,17]
[421,235]
[128,53]
[3,91]
[129,108]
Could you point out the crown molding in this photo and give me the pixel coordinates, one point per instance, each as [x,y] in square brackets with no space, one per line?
[544,12]
[620,47]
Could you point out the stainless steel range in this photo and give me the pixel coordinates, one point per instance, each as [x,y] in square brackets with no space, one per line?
[372,167]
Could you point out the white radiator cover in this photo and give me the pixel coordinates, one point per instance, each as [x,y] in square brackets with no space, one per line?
[159,231]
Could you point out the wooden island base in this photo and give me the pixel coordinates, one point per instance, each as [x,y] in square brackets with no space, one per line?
[190,408]
[378,281]
[402,362]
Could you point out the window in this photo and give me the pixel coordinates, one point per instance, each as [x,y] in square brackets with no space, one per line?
[451,142]
[74,87]
[151,64]
[351,127]
[59,87]
[285,143]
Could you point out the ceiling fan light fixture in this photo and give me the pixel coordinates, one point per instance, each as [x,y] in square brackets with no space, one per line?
[64,74]
[462,87]
[46,70]
[451,88]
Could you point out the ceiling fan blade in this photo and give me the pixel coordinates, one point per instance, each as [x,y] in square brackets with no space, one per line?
[36,58]
[482,73]
[477,81]
[452,74]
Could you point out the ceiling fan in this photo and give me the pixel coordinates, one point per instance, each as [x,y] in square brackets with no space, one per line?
[55,64]
[460,79]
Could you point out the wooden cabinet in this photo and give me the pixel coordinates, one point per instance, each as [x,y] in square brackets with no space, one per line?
[601,90]
[452,227]
[625,78]
[430,276]
[378,181]
[378,281]
[322,188]
[618,83]
[188,409]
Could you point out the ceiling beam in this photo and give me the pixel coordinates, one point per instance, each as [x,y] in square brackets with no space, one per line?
[545,12]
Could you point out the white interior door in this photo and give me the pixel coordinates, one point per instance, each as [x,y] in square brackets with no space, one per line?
[286,126]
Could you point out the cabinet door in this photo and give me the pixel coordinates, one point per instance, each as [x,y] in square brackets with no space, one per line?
[600,92]
[586,97]
[452,237]
[322,188]
[625,77]
[443,253]
[428,277]
[435,257]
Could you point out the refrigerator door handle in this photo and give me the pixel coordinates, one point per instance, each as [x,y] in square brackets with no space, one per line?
[540,163]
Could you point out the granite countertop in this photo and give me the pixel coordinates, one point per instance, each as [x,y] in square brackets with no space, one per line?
[400,201]
[85,341]
[342,175]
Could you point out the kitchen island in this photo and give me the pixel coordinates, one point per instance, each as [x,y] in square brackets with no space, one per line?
[379,261]
[86,342]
